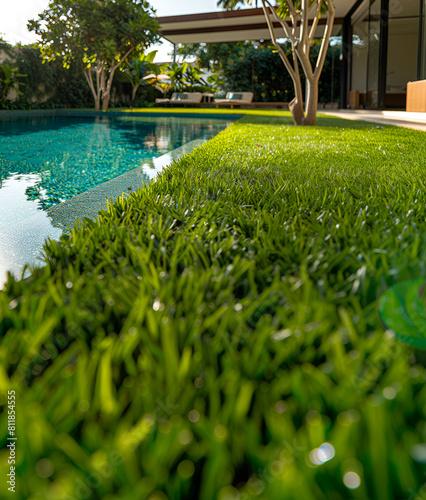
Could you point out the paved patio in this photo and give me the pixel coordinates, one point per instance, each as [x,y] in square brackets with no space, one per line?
[399,118]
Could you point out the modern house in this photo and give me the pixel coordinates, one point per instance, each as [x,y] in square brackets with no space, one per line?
[383,45]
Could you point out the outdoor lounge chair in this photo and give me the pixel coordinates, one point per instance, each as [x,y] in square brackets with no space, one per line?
[187,98]
[182,98]
[235,98]
[174,97]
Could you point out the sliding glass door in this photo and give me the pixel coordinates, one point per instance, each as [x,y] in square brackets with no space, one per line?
[373,55]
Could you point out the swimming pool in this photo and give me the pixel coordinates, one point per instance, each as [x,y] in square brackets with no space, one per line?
[51,165]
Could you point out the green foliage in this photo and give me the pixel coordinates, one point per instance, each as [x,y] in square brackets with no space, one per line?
[137,68]
[231,4]
[93,31]
[283,8]
[194,76]
[329,82]
[176,72]
[2,40]
[98,35]
[402,310]
[214,56]
[290,15]
[259,69]
[186,77]
[216,81]
[9,79]
[211,332]
[51,86]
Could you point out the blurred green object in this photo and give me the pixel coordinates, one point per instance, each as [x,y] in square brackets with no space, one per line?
[402,310]
[215,335]
[9,80]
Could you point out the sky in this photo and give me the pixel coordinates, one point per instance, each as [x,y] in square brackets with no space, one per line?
[16,13]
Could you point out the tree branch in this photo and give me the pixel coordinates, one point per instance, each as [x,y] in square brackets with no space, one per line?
[304,24]
[315,21]
[88,75]
[325,39]
[291,7]
[274,41]
[123,58]
[282,21]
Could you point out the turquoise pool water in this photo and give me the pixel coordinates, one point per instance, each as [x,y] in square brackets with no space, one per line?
[56,170]
[47,160]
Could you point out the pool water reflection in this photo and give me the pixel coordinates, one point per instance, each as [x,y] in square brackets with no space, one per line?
[45,161]
[55,158]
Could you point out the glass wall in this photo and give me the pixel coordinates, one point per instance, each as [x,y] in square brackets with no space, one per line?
[403,61]
[403,44]
[360,40]
[365,53]
[373,54]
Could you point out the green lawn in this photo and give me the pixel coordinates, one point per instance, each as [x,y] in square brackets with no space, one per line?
[209,333]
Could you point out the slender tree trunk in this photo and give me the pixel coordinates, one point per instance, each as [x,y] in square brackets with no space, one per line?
[301,39]
[296,109]
[105,102]
[98,90]
[102,90]
[95,91]
[106,95]
[134,91]
[311,102]
[296,105]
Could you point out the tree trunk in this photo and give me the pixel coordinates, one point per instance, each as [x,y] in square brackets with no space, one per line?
[95,91]
[296,109]
[301,42]
[134,91]
[106,95]
[105,101]
[311,102]
[296,105]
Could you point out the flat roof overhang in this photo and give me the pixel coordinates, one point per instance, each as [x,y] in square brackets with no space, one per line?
[234,26]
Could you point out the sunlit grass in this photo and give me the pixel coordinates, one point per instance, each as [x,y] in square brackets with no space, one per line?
[216,333]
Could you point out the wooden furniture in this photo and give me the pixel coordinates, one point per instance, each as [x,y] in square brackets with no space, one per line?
[207,97]
[416,96]
[174,97]
[235,98]
[182,98]
[395,100]
[249,105]
[205,100]
[354,99]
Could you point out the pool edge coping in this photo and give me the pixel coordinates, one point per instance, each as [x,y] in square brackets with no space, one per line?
[82,113]
[112,189]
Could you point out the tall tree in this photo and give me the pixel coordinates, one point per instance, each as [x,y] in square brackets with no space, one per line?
[293,16]
[100,35]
